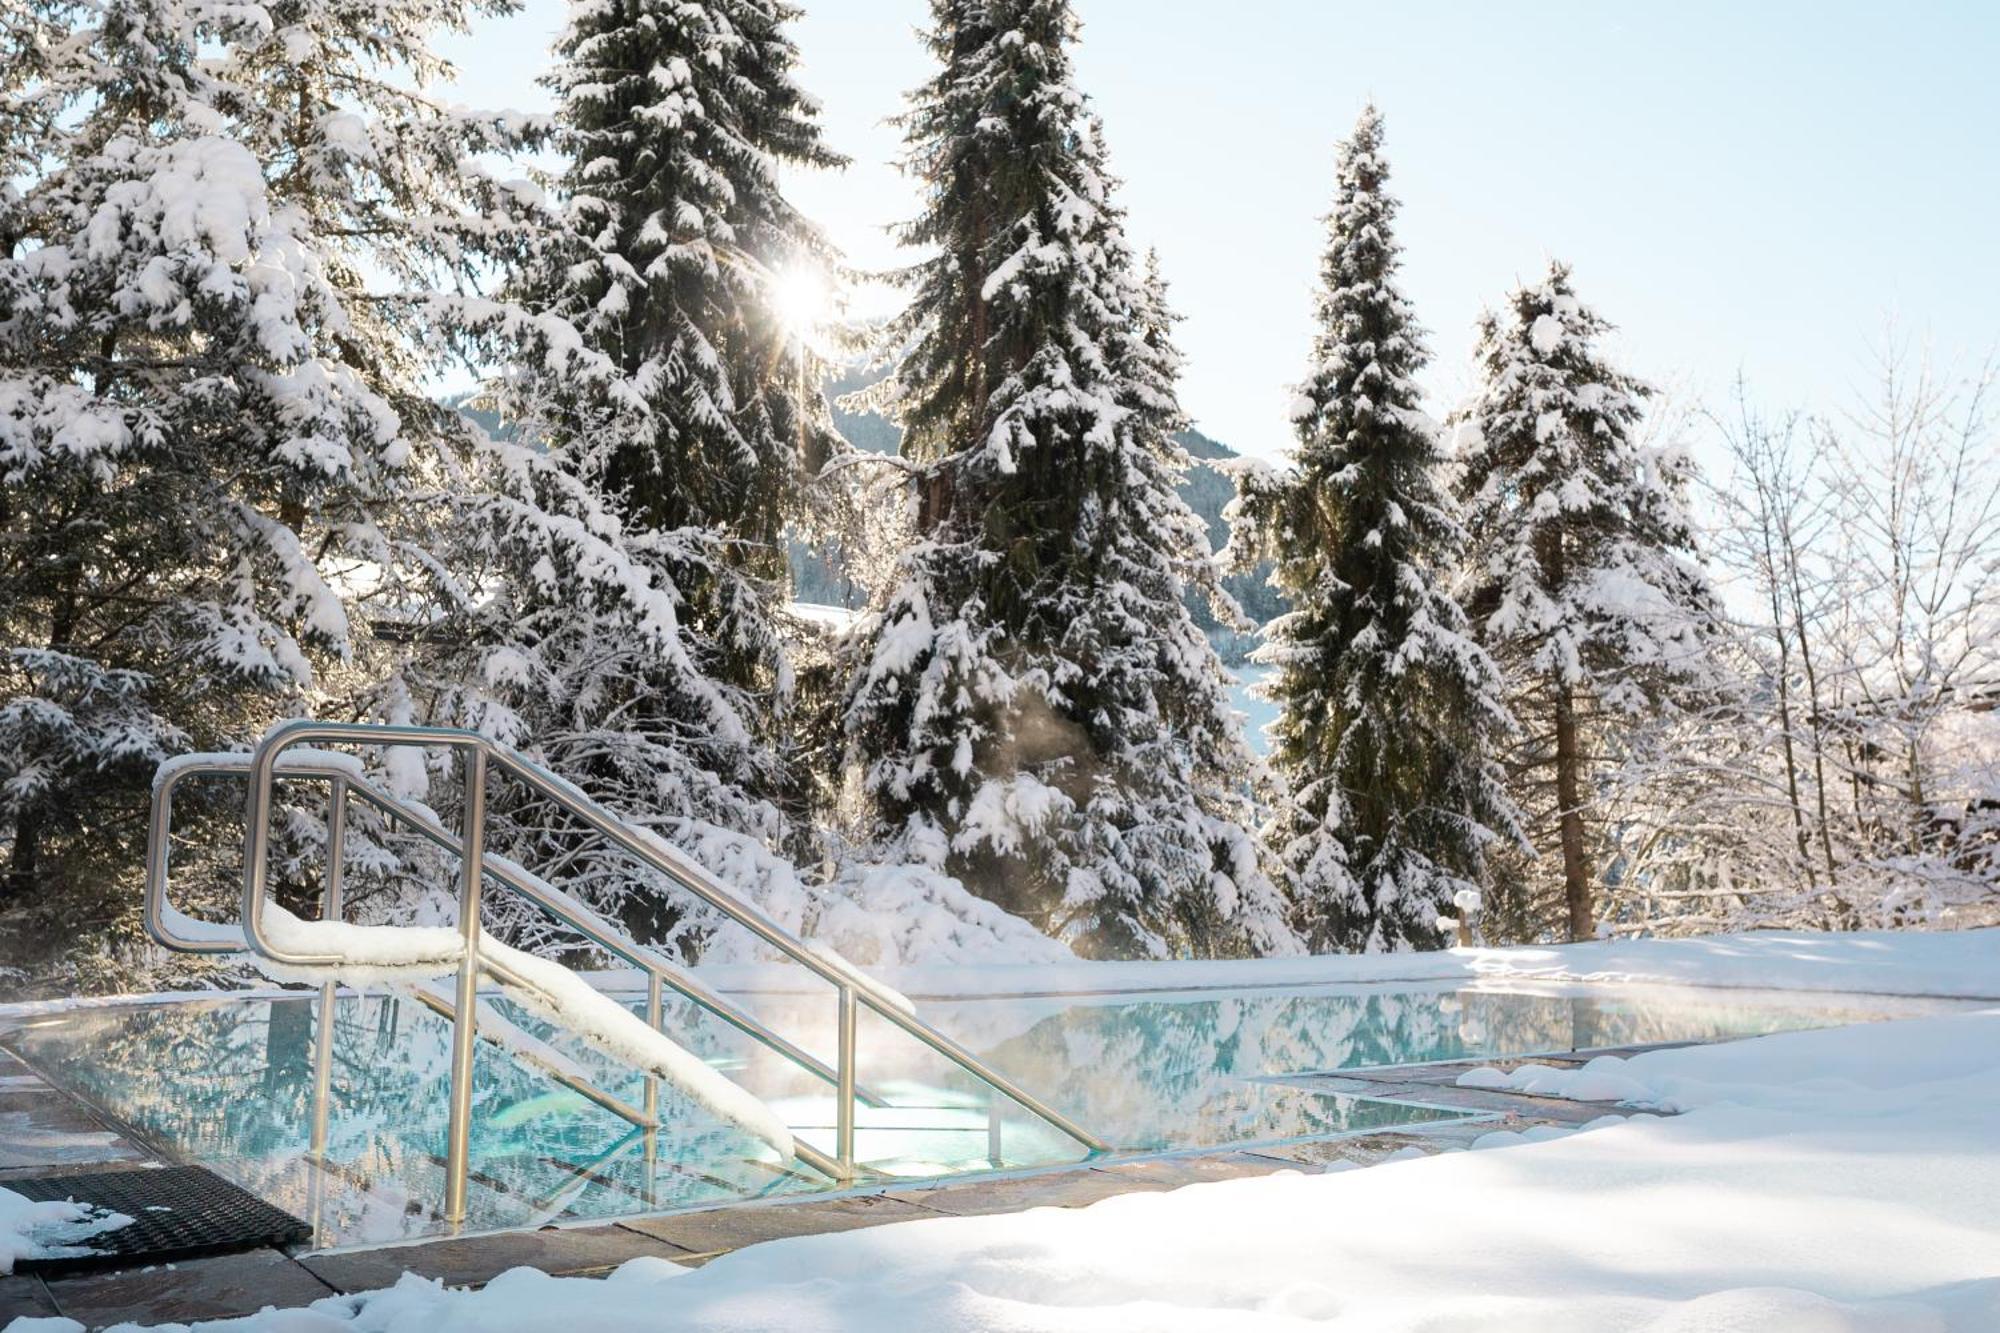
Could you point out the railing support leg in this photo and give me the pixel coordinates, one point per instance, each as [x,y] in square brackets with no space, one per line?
[336,843]
[844,1086]
[322,1092]
[322,1066]
[329,994]
[458,1149]
[655,1018]
[996,1125]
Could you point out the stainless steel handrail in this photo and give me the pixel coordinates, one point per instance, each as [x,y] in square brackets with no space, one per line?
[556,904]
[550,900]
[553,901]
[851,981]
[592,927]
[855,989]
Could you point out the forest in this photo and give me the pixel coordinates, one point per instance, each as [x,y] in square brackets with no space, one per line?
[1576,656]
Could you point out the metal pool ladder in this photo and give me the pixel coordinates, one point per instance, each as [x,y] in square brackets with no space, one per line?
[854,989]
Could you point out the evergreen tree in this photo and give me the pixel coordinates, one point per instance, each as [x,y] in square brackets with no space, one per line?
[236,241]
[1032,706]
[665,697]
[1589,589]
[1388,710]
[675,119]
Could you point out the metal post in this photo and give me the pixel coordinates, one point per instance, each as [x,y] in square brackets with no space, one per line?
[329,994]
[655,1017]
[843,1148]
[322,1080]
[322,1092]
[458,1149]
[336,842]
[996,1122]
[336,847]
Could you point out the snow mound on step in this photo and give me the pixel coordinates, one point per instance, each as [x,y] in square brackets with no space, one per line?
[407,955]
[1602,1080]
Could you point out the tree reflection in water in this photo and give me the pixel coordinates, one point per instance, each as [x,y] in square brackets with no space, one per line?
[229,1084]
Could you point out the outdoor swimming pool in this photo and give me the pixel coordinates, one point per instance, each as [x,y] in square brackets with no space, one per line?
[228,1083]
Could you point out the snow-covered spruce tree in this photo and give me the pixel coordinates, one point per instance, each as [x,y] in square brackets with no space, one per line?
[1588,588]
[1032,706]
[675,119]
[236,241]
[665,699]
[1389,711]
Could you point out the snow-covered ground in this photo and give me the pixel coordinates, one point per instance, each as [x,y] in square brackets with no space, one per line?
[1841,1181]
[1948,964]
[1943,964]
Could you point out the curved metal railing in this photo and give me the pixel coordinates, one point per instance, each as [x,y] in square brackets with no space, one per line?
[855,990]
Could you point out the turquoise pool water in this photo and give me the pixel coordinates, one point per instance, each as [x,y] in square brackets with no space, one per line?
[228,1083]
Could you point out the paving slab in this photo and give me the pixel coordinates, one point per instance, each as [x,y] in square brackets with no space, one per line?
[44,1129]
[1363,1150]
[1459,1133]
[1313,1159]
[224,1287]
[14,1173]
[1067,1189]
[1550,1109]
[53,1131]
[470,1261]
[24,1297]
[720,1229]
[1447,1071]
[1174,1172]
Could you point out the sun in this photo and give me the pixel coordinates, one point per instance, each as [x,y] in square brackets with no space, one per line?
[801,300]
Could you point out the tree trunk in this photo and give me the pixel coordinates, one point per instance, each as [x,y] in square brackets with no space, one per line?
[1791,760]
[24,865]
[287,1045]
[1817,716]
[1569,800]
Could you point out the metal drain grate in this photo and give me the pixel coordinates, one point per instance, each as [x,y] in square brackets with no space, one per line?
[177,1212]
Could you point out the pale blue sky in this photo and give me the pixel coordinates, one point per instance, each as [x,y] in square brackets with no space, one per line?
[1756,183]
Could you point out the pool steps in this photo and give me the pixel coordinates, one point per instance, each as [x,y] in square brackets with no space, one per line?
[412,959]
[528,1050]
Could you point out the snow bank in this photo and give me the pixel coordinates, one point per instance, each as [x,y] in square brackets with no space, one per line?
[1850,1183]
[1796,1070]
[883,916]
[32,1229]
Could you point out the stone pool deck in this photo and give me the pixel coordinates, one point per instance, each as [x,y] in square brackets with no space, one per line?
[45,1131]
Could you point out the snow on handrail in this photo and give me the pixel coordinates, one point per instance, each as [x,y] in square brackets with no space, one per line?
[232,760]
[564,998]
[410,955]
